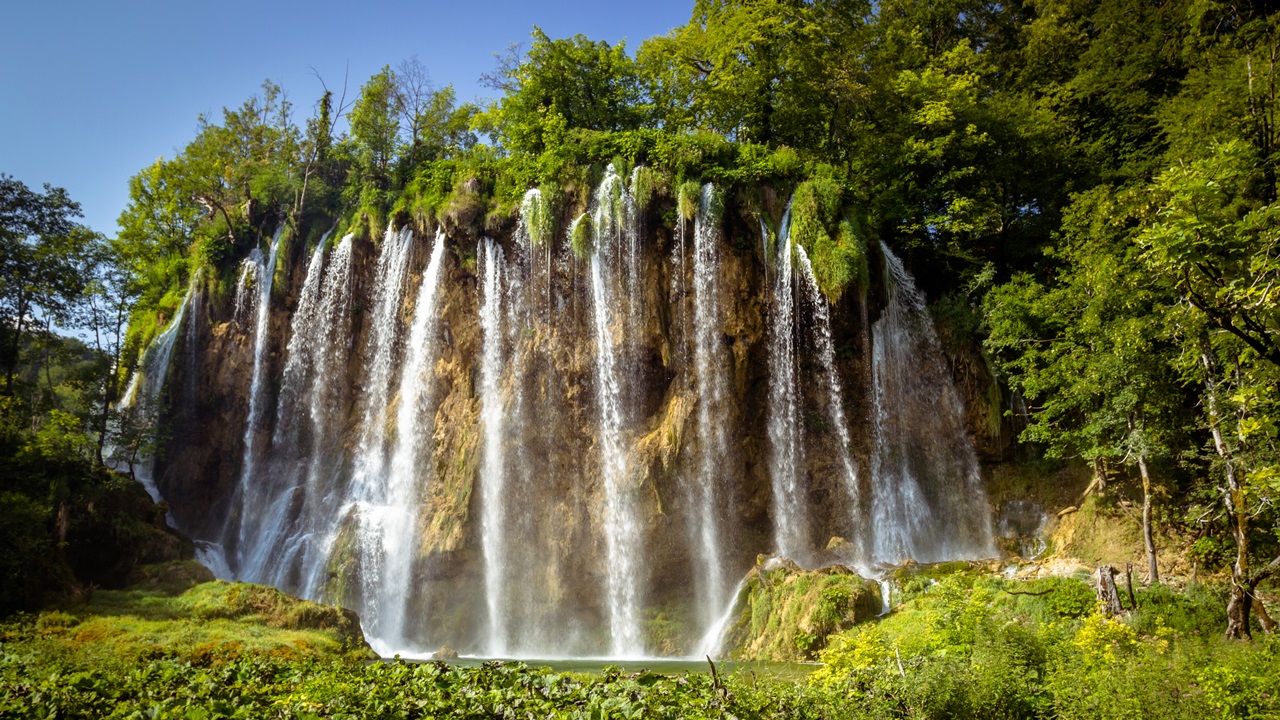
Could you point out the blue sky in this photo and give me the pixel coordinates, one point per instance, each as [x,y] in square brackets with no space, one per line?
[91,92]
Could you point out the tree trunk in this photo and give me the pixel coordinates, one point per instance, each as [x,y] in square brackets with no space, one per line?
[1238,606]
[17,347]
[1237,514]
[1128,581]
[1264,618]
[1148,537]
[1108,595]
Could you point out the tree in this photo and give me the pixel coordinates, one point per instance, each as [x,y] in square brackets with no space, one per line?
[42,262]
[1219,247]
[110,296]
[1090,349]
[414,92]
[568,83]
[374,127]
[753,71]
[445,125]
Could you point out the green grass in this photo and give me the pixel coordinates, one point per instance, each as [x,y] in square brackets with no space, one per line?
[212,620]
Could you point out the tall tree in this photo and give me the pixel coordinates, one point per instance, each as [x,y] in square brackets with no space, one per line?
[42,268]
[1219,248]
[566,83]
[1090,351]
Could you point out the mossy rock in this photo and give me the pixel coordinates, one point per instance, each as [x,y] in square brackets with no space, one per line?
[172,578]
[786,614]
[208,623]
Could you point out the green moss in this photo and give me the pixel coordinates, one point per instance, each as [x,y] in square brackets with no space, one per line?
[536,217]
[466,203]
[666,631]
[647,185]
[581,238]
[787,614]
[212,619]
[687,199]
[833,242]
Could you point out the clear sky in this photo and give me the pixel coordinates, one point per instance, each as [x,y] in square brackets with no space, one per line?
[92,91]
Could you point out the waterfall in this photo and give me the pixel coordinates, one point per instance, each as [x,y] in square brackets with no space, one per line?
[250,488]
[300,503]
[584,477]
[634,288]
[680,317]
[141,397]
[259,559]
[318,337]
[535,229]
[927,498]
[790,516]
[324,403]
[712,392]
[835,397]
[493,460]
[621,526]
[300,353]
[371,488]
[713,640]
[398,518]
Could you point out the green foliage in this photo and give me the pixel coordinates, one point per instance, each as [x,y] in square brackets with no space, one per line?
[244,685]
[961,650]
[374,127]
[785,613]
[687,198]
[24,533]
[833,244]
[582,239]
[646,185]
[537,218]
[561,85]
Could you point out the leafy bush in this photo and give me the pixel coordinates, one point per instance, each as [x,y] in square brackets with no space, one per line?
[962,649]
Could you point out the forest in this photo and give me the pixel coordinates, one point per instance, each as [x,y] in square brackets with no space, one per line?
[1086,192]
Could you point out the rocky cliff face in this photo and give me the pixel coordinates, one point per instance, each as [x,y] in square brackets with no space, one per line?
[554,536]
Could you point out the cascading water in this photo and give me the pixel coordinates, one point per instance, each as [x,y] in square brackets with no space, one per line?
[621,527]
[790,516]
[535,229]
[298,508]
[712,390]
[927,498]
[250,492]
[398,512]
[142,394]
[324,401]
[371,483]
[300,354]
[835,397]
[493,460]
[581,468]
[259,559]
[678,290]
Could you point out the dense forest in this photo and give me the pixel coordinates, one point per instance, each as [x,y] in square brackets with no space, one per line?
[1087,191]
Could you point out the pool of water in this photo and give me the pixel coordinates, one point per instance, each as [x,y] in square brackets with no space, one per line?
[663,666]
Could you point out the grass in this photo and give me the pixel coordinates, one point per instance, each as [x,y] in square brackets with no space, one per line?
[212,620]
